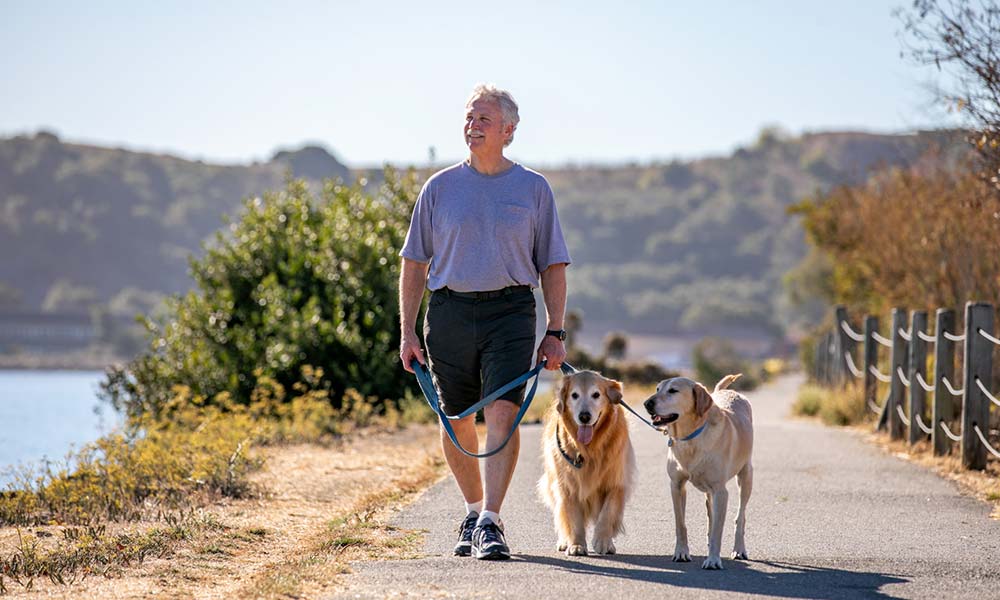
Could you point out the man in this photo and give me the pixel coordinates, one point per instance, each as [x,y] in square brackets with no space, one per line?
[484,232]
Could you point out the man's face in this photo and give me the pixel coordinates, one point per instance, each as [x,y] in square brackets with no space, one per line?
[485,131]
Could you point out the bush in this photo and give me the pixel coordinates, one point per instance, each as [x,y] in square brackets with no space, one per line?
[834,406]
[296,281]
[714,358]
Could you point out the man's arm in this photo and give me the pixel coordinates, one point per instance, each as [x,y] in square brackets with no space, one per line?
[412,281]
[553,281]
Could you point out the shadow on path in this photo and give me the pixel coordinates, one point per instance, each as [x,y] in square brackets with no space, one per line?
[781,579]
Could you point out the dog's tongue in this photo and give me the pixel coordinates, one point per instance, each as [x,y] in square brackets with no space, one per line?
[584,433]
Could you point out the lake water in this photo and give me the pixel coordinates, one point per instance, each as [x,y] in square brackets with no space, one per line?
[44,414]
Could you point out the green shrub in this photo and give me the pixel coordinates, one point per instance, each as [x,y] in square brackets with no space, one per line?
[714,358]
[834,406]
[296,281]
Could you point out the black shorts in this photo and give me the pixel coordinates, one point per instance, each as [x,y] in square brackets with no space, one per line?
[477,345]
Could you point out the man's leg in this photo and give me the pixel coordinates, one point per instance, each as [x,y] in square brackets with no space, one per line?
[464,468]
[500,417]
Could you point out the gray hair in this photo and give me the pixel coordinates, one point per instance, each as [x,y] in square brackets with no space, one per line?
[488,91]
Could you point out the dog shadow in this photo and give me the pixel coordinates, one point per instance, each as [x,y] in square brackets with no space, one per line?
[782,579]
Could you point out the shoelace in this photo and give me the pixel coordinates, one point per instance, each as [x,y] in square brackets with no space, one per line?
[491,535]
[468,524]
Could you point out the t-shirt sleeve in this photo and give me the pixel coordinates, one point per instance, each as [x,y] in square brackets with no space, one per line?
[550,247]
[419,244]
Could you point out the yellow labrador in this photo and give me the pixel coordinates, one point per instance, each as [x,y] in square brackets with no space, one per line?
[711,442]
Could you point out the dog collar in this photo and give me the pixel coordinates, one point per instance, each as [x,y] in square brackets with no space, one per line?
[576,464]
[694,434]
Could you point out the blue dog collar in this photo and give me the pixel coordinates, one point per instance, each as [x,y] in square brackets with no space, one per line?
[694,434]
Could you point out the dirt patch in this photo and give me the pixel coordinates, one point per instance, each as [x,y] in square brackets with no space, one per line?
[283,542]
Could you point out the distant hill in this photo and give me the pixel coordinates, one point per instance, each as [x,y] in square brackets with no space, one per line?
[685,246]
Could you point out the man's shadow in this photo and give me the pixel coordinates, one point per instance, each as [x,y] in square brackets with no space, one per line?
[790,581]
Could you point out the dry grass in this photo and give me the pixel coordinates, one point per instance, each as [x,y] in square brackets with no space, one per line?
[320,504]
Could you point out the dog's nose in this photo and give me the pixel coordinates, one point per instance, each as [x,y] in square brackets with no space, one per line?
[649,404]
[585,417]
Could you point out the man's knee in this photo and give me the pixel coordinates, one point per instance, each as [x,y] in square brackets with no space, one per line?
[501,414]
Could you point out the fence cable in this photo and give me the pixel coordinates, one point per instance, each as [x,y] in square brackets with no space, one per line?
[927,387]
[902,378]
[952,390]
[982,439]
[902,415]
[988,336]
[924,428]
[878,375]
[903,334]
[852,367]
[947,432]
[982,387]
[878,338]
[955,338]
[854,335]
[927,338]
[875,408]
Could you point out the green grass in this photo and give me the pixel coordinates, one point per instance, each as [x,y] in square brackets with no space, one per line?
[833,406]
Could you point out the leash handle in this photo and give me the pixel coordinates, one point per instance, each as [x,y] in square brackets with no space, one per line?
[430,395]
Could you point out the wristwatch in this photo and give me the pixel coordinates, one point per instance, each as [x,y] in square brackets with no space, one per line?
[559,334]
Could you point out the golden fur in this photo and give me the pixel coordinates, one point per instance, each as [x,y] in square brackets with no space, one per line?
[594,494]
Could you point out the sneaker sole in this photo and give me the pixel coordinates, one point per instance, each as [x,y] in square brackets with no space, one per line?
[495,555]
[463,550]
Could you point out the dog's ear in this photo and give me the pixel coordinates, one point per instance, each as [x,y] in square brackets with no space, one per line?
[561,393]
[702,399]
[613,390]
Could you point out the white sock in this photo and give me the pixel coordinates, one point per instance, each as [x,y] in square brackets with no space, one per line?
[488,515]
[473,507]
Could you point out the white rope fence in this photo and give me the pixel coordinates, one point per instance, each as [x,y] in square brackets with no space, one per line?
[954,338]
[989,337]
[854,335]
[878,375]
[982,438]
[906,336]
[947,432]
[920,379]
[922,426]
[902,378]
[927,338]
[952,390]
[853,368]
[902,415]
[987,393]
[878,338]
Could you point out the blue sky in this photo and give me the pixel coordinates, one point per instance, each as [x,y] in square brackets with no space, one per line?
[384,81]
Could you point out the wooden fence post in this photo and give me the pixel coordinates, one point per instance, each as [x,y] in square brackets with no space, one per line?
[871,360]
[844,345]
[900,356]
[918,366]
[944,368]
[978,365]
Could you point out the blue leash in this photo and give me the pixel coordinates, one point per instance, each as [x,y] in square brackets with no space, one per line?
[431,396]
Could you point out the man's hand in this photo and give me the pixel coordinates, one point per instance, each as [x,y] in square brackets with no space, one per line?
[409,348]
[553,350]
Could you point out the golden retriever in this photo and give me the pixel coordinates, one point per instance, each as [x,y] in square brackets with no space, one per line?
[589,463]
[711,442]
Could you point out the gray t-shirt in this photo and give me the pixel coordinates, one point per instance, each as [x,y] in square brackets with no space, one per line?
[482,232]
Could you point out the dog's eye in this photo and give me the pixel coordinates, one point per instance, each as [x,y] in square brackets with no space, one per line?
[574,395]
[595,395]
[672,391]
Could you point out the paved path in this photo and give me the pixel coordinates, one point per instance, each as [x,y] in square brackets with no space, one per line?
[830,517]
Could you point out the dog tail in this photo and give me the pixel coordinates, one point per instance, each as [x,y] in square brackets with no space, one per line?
[726,381]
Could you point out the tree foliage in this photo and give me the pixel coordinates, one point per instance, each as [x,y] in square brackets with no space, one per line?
[906,238]
[963,38]
[295,282]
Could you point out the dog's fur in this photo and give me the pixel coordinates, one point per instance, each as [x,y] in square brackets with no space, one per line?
[721,451]
[595,493]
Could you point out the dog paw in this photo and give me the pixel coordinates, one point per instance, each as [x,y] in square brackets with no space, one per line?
[712,562]
[576,550]
[682,555]
[604,547]
[740,555]
[561,546]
